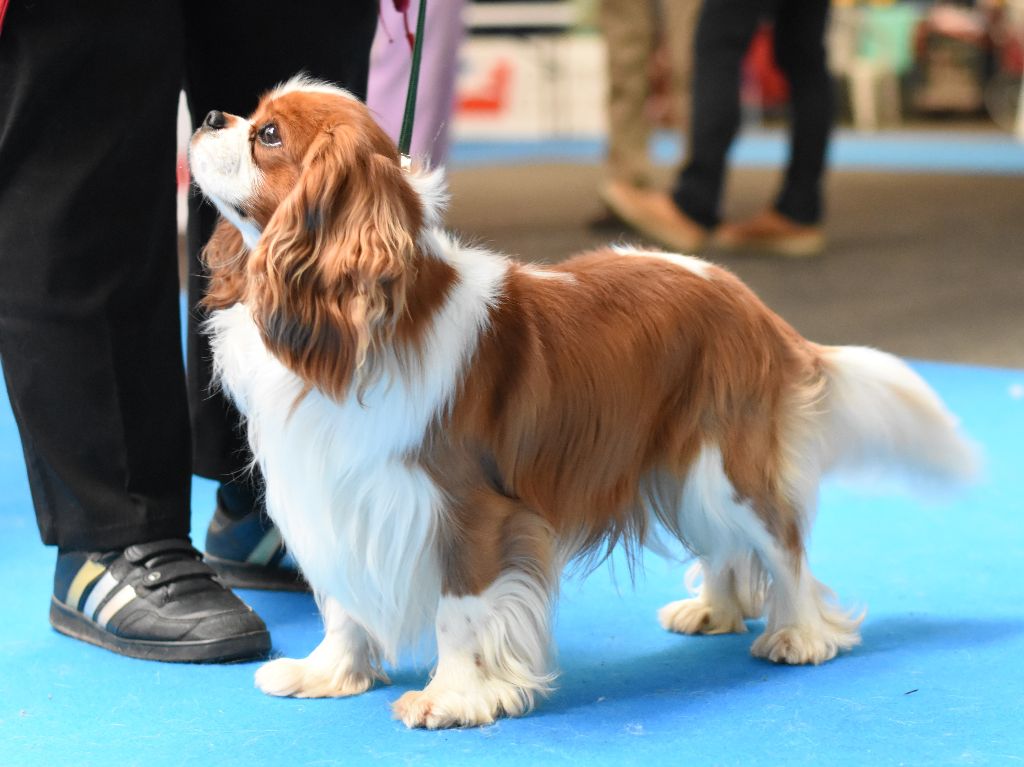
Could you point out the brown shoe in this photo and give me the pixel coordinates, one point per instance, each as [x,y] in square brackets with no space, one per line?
[771,232]
[655,216]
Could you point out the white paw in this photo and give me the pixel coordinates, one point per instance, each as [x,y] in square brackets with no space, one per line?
[798,646]
[309,679]
[695,616]
[440,706]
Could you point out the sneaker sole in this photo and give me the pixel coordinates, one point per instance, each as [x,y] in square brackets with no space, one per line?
[251,646]
[241,575]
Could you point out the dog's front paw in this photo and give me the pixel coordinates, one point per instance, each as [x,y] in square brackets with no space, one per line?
[695,616]
[422,708]
[439,706]
[435,710]
[310,679]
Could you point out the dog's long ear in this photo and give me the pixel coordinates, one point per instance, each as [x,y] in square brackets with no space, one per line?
[328,278]
[224,257]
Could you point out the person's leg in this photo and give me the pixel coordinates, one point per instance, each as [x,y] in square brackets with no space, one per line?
[89,329]
[330,41]
[724,31]
[800,52]
[390,62]
[791,227]
[683,221]
[628,29]
[680,28]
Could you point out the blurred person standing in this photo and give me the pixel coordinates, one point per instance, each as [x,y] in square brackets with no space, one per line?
[687,219]
[90,334]
[633,39]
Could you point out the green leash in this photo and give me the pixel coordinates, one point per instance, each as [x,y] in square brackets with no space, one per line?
[405,137]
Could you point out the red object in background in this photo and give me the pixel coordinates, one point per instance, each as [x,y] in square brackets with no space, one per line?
[763,81]
[1011,57]
[3,12]
[492,96]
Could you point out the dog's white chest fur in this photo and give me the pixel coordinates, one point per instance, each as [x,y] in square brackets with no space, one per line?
[358,516]
[358,519]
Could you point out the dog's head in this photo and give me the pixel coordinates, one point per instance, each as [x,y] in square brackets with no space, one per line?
[323,228]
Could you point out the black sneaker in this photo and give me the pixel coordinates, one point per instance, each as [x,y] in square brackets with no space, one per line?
[157,601]
[247,551]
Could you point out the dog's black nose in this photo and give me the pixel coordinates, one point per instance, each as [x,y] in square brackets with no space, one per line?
[215,120]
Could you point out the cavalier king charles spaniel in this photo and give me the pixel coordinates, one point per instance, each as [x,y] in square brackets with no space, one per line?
[442,429]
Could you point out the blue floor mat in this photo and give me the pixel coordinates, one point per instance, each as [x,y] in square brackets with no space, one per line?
[907,150]
[939,678]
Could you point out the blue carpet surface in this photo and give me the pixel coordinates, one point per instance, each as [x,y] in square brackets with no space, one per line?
[911,151]
[938,680]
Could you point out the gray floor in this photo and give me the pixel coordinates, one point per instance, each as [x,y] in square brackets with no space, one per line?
[923,265]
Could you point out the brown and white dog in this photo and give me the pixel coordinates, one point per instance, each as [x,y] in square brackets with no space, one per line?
[442,429]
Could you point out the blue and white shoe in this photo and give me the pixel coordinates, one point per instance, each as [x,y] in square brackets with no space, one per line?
[247,552]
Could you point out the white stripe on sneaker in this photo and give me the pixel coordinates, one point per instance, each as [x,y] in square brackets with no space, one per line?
[266,549]
[99,592]
[111,608]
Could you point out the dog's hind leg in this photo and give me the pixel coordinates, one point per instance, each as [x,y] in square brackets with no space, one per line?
[728,592]
[804,622]
[711,520]
[346,662]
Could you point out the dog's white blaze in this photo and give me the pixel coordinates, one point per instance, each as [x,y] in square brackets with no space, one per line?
[220,162]
[359,518]
[306,84]
[222,165]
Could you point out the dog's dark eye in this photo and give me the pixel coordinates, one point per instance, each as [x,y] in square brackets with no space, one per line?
[268,135]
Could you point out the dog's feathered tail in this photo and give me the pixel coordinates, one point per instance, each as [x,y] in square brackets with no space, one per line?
[883,418]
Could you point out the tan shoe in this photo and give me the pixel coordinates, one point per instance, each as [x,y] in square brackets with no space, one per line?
[771,232]
[655,216]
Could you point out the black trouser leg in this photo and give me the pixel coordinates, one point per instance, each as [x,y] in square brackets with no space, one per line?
[800,53]
[236,51]
[89,330]
[724,32]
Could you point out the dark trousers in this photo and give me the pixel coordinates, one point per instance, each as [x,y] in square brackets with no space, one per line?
[90,338]
[724,32]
